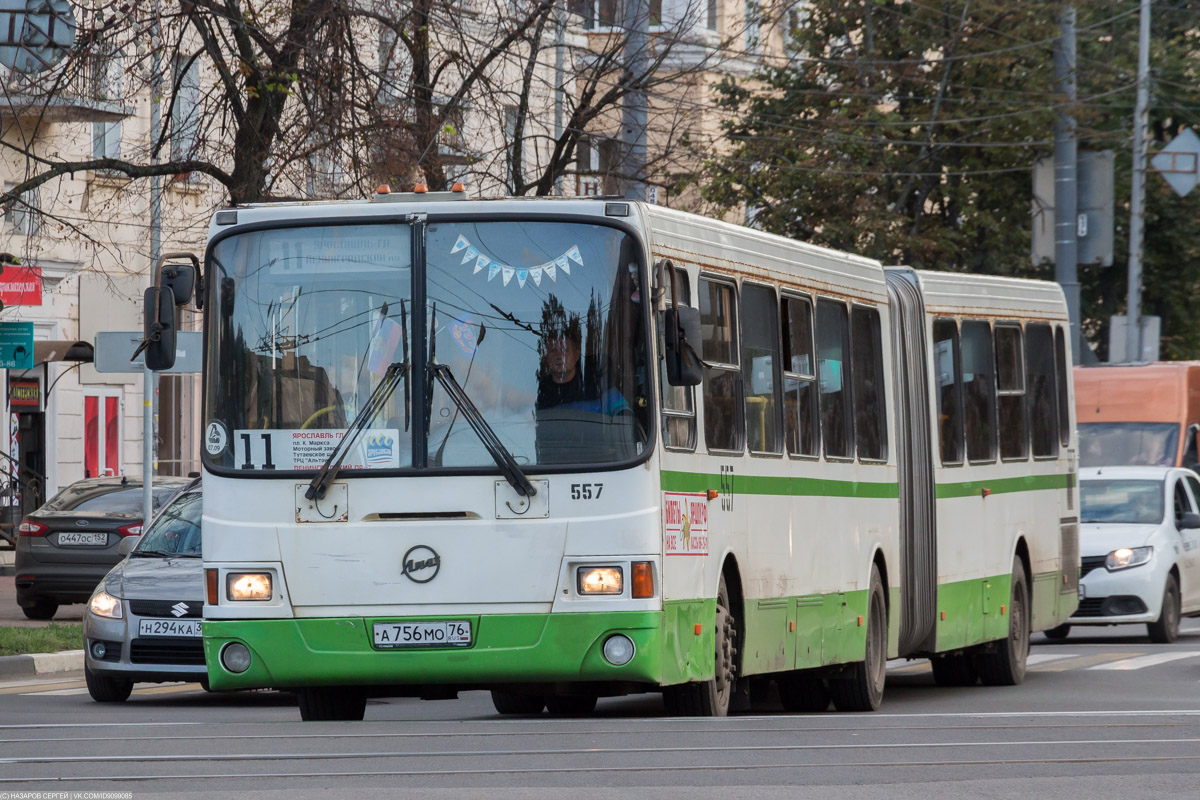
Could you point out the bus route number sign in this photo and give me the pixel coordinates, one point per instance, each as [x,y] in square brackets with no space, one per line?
[685,524]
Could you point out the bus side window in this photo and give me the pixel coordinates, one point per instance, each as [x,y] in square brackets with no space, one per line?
[866,370]
[723,380]
[979,390]
[1043,416]
[760,365]
[833,345]
[1064,400]
[1010,386]
[801,417]
[946,363]
[678,409]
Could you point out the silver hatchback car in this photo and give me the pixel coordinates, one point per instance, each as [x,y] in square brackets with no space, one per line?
[143,622]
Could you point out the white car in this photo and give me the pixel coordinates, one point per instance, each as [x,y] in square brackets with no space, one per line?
[1139,546]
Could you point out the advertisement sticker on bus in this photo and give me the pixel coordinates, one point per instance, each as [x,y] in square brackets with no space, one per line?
[685,523]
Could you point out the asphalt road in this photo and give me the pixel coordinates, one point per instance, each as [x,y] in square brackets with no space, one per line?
[1106,714]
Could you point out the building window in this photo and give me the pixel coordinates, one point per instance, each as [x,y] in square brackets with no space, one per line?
[596,13]
[107,79]
[185,110]
[21,215]
[710,14]
[101,433]
[752,26]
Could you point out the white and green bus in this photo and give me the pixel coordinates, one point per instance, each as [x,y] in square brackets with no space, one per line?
[564,449]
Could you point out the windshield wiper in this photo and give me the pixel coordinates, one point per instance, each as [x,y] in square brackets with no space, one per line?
[375,402]
[152,553]
[496,449]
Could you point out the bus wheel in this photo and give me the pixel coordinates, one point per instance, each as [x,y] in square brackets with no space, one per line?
[1004,664]
[954,670]
[862,690]
[331,703]
[1059,633]
[577,705]
[803,694]
[1165,629]
[510,703]
[711,698]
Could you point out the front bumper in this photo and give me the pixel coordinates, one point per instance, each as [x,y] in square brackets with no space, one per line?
[140,660]
[507,649]
[1114,598]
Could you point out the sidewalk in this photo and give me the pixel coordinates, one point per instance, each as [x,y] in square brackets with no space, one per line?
[11,617]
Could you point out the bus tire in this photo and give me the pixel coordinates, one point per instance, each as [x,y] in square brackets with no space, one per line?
[1004,664]
[803,694]
[1165,629]
[711,698]
[954,670]
[512,703]
[1058,633]
[322,704]
[862,688]
[576,705]
[106,690]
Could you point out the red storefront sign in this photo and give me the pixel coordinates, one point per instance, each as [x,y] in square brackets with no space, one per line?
[21,286]
[24,394]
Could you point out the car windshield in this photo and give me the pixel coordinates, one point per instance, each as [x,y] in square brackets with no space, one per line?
[539,322]
[107,499]
[176,531]
[1138,502]
[1112,444]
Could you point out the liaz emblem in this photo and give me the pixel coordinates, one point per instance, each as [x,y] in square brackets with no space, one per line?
[421,564]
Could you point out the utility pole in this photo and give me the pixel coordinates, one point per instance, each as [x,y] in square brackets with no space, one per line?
[633,110]
[1066,213]
[560,32]
[1137,203]
[149,378]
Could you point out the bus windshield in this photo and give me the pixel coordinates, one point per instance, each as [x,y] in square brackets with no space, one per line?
[1107,444]
[539,322]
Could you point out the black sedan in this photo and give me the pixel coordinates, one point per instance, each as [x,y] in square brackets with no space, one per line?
[68,545]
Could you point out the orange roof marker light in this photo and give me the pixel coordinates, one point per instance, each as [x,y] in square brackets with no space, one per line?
[383,189]
[420,188]
[458,186]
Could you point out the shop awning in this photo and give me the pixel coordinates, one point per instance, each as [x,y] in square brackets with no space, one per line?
[63,350]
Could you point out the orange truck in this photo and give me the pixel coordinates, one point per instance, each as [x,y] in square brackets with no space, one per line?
[1138,414]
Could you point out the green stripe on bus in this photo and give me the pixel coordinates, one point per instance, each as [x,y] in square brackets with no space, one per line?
[769,485]
[1028,483]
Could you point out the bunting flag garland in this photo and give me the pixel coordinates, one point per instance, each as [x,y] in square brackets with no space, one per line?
[550,269]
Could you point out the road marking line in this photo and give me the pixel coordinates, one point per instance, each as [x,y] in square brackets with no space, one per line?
[40,687]
[1042,658]
[170,688]
[1081,662]
[1141,662]
[56,693]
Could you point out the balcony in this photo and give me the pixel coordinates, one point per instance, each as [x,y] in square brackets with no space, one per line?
[76,92]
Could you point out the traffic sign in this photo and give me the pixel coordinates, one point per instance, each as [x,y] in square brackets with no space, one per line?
[1178,162]
[16,345]
[114,352]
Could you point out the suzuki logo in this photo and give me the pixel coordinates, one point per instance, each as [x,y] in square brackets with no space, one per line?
[179,609]
[418,561]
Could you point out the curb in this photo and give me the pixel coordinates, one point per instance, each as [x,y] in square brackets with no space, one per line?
[41,664]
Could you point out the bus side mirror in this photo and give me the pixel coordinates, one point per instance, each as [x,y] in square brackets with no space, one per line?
[159,328]
[682,334]
[181,280]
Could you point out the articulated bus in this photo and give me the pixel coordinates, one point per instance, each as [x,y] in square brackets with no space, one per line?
[563,449]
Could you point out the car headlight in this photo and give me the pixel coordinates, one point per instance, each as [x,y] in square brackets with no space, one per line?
[1127,557]
[601,580]
[248,586]
[104,604]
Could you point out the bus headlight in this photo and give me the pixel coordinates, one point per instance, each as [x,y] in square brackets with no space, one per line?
[601,580]
[248,586]
[1127,557]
